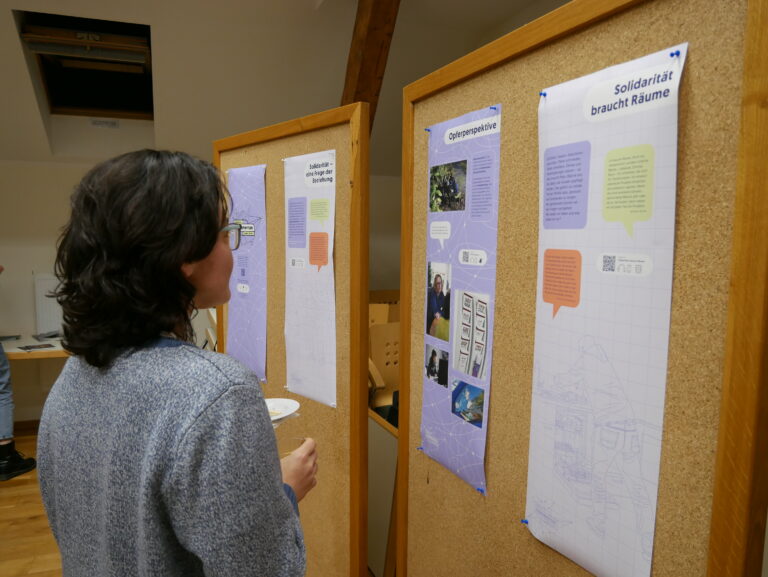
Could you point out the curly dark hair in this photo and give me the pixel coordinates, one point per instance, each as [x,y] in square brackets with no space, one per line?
[135,220]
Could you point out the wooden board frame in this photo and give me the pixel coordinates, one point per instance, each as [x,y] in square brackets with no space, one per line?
[740,485]
[352,232]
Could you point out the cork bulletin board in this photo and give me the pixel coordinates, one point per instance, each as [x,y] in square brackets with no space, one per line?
[333,515]
[713,484]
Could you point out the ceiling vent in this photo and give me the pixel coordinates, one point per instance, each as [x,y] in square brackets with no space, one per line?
[91,67]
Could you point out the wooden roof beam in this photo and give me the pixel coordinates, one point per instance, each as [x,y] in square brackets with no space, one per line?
[368,52]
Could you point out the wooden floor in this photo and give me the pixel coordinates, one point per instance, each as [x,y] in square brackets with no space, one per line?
[27,546]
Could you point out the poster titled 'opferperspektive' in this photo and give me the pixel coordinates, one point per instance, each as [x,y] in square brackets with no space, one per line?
[459,289]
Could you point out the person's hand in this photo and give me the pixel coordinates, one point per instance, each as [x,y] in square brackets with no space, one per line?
[300,467]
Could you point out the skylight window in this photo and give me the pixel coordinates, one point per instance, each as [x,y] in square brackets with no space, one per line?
[91,67]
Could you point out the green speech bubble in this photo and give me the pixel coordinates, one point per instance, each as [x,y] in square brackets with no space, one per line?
[319,209]
[628,192]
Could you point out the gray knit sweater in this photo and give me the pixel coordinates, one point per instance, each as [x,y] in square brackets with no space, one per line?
[165,464]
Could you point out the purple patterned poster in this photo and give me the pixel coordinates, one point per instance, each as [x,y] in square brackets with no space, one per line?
[247,317]
[459,291]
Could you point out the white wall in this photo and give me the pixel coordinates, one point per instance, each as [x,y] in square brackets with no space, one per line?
[526,12]
[34,205]
[98,138]
[384,233]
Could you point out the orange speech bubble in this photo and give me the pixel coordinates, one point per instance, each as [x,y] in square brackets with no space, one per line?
[562,278]
[318,249]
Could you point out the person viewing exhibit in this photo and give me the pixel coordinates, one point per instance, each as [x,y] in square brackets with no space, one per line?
[157,457]
[12,463]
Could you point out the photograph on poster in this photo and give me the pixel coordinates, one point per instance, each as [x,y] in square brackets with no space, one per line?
[468,402]
[436,365]
[438,300]
[478,360]
[448,186]
[482,306]
[469,338]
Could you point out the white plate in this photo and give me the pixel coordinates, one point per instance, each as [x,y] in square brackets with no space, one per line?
[280,408]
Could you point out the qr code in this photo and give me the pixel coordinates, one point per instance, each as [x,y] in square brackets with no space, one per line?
[464,256]
[609,263]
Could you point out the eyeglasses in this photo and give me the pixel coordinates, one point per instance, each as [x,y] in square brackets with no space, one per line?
[233,233]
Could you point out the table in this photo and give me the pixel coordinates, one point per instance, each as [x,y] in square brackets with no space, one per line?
[14,353]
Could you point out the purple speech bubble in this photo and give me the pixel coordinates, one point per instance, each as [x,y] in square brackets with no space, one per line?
[566,185]
[297,222]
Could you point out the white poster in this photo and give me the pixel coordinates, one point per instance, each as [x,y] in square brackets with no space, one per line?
[608,165]
[310,305]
